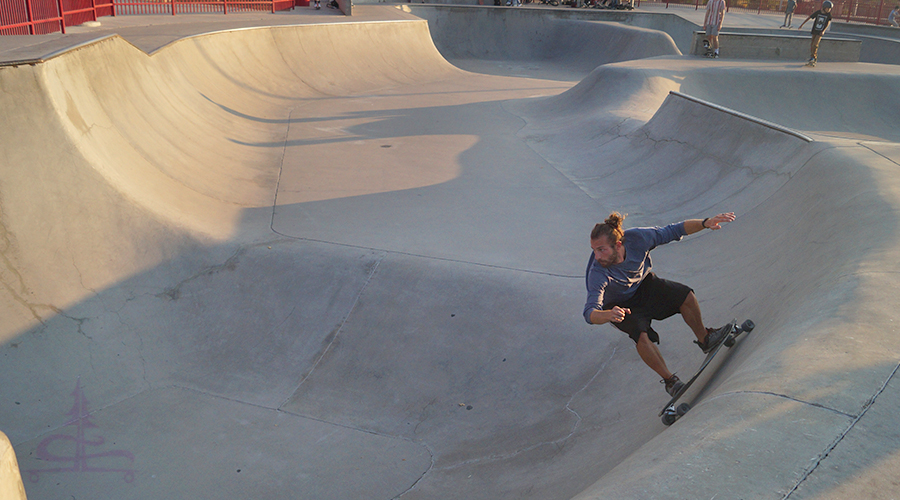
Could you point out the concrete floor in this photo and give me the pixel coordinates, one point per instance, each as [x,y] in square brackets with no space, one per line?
[343,258]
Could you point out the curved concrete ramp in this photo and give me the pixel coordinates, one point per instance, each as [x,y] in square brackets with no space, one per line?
[322,262]
[551,44]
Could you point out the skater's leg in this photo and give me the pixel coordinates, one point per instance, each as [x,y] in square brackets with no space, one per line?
[690,311]
[814,47]
[649,352]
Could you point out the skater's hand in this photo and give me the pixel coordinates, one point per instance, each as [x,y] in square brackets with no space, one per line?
[617,314]
[715,222]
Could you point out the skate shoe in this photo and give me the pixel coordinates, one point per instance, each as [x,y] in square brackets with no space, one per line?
[673,385]
[713,338]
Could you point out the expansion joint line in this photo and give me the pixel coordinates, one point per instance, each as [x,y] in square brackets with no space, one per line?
[879,154]
[842,435]
[789,398]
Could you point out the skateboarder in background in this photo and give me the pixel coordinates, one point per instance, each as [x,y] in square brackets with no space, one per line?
[622,290]
[822,18]
[712,23]
[789,14]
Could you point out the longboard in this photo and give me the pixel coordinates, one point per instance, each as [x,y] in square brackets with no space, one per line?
[670,413]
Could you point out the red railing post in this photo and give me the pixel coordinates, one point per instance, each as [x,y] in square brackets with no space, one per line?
[880,7]
[62,17]
[173,7]
[30,16]
[94,10]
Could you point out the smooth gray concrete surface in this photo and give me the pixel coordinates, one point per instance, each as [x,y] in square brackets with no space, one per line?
[319,260]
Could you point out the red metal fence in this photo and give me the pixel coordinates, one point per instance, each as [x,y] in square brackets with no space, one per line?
[39,17]
[859,11]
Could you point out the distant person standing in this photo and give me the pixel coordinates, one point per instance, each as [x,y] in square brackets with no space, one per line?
[789,13]
[821,18]
[712,23]
[892,17]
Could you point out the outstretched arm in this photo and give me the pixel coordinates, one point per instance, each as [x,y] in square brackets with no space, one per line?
[692,226]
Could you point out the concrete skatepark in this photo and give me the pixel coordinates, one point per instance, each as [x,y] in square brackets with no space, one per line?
[309,256]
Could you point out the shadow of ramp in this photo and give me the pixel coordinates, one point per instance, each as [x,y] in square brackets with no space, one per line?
[472,361]
[182,383]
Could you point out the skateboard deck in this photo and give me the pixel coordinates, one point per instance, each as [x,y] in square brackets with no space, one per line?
[670,413]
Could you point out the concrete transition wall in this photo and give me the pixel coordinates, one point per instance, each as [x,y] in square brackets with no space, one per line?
[523,35]
[784,47]
[879,44]
[466,19]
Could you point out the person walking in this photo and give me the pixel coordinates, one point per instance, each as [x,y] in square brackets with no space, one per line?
[622,290]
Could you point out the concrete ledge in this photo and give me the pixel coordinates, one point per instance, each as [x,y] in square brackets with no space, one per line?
[785,47]
[744,116]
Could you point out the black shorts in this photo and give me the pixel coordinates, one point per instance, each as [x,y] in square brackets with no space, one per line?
[655,298]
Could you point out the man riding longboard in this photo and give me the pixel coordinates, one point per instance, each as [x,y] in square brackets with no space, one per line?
[622,290]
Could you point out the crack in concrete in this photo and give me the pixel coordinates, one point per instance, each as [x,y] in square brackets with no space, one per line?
[18,289]
[822,456]
[230,264]
[340,328]
[140,347]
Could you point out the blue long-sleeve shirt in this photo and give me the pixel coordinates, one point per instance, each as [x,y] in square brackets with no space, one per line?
[607,286]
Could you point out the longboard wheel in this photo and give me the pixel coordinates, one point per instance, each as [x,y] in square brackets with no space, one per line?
[681,409]
[748,326]
[729,341]
[669,419]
